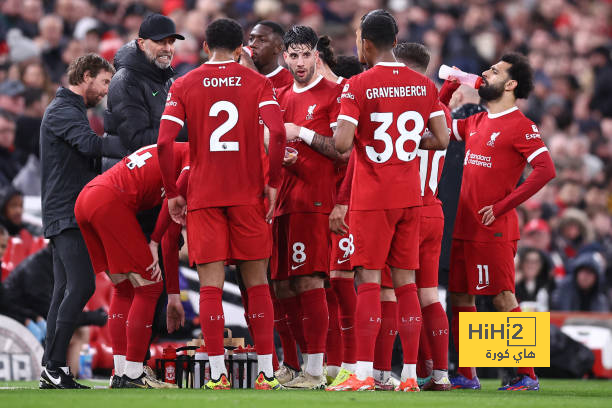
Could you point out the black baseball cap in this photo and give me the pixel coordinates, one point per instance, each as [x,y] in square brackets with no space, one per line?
[157,27]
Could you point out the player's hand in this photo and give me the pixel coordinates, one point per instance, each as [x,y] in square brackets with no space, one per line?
[336,219]
[270,193]
[175,314]
[177,207]
[293,131]
[246,60]
[487,215]
[289,160]
[154,267]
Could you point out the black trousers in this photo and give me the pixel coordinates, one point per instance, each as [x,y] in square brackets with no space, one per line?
[74,284]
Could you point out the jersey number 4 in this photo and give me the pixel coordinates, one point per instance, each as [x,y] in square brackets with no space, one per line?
[386,120]
[216,145]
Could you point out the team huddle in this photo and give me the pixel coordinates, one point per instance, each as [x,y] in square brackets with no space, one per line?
[313,183]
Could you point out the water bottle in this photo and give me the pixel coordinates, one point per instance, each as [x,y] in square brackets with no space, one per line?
[85,359]
[169,353]
[464,78]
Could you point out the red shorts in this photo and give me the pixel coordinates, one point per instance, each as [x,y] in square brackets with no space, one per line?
[429,251]
[301,245]
[342,247]
[238,233]
[114,238]
[481,268]
[386,237]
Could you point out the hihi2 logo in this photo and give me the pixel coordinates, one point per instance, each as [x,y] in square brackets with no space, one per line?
[504,339]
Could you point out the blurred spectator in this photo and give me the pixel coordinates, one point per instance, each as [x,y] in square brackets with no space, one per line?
[602,96]
[536,234]
[27,135]
[533,282]
[52,43]
[573,232]
[25,238]
[11,97]
[9,164]
[583,288]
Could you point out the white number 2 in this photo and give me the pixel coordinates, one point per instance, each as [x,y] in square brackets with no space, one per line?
[435,169]
[386,119]
[216,145]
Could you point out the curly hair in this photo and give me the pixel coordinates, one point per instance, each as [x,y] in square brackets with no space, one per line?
[92,63]
[326,52]
[521,72]
[300,35]
[224,33]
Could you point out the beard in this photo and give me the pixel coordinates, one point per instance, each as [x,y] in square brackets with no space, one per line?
[490,92]
[154,59]
[307,78]
[92,97]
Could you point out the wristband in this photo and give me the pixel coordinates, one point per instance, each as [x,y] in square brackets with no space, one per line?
[306,135]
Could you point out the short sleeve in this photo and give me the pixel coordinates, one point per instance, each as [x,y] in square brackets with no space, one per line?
[349,103]
[436,108]
[458,130]
[335,108]
[175,106]
[267,95]
[528,141]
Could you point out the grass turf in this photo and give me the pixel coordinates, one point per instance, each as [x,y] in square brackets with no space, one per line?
[554,393]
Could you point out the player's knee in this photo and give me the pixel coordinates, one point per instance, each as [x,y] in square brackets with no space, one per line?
[427,296]
[387,295]
[367,276]
[303,284]
[402,277]
[462,299]
[505,301]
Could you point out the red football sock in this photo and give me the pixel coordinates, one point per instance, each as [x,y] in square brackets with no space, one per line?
[316,319]
[424,362]
[334,334]
[212,319]
[261,315]
[467,372]
[524,370]
[140,320]
[281,324]
[121,300]
[436,324]
[291,306]
[386,336]
[409,321]
[347,301]
[367,320]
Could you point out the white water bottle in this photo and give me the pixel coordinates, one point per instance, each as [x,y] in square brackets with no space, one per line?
[464,78]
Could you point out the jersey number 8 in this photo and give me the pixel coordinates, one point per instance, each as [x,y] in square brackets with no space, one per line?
[386,119]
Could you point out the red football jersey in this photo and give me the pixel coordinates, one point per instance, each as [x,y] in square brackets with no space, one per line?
[219,101]
[431,163]
[497,147]
[309,185]
[390,104]
[280,77]
[138,177]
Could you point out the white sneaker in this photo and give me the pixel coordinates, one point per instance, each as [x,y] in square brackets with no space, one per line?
[285,374]
[305,381]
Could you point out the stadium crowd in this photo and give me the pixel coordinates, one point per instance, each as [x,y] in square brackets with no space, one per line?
[564,261]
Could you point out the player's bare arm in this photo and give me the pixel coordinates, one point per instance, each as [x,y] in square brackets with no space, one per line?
[437,138]
[344,135]
[321,144]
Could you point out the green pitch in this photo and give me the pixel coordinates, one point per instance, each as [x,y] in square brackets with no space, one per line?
[555,394]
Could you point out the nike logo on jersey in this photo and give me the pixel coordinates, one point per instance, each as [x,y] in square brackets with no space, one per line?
[294,267]
[155,93]
[479,287]
[343,261]
[472,133]
[55,381]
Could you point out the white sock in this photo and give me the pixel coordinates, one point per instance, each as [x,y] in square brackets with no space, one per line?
[119,365]
[409,371]
[264,363]
[314,366]
[350,366]
[133,369]
[437,375]
[364,369]
[332,370]
[381,375]
[305,359]
[217,366]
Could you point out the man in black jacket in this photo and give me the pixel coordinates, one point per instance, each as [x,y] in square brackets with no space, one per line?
[137,94]
[70,151]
